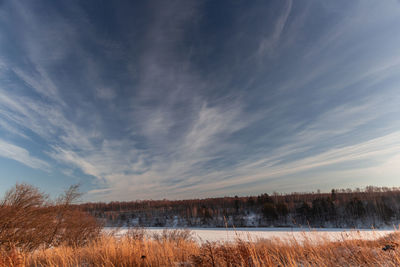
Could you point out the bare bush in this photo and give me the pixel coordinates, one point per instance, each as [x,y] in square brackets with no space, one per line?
[30,220]
[136,233]
[174,235]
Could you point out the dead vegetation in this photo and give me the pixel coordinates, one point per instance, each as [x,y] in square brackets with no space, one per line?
[29,220]
[175,249]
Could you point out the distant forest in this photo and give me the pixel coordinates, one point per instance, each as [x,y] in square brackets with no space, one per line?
[361,208]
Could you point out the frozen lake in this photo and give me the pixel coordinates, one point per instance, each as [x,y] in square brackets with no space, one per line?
[284,234]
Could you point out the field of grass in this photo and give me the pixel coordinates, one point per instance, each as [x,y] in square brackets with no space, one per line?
[175,248]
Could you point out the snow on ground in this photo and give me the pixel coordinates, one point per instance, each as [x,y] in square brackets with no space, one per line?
[284,234]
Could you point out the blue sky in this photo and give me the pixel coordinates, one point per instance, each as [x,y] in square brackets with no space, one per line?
[187,99]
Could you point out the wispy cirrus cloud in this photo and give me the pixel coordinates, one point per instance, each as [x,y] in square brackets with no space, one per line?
[11,151]
[270,43]
[251,177]
[171,102]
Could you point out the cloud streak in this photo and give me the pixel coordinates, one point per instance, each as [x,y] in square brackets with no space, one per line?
[21,155]
[173,101]
[268,45]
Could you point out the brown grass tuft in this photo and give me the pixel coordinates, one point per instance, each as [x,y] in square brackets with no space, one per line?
[127,251]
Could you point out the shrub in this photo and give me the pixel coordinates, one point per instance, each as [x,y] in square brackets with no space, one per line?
[136,233]
[30,220]
[174,235]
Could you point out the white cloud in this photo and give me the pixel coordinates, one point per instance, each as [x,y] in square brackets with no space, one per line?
[381,149]
[211,125]
[269,44]
[182,132]
[11,151]
[105,93]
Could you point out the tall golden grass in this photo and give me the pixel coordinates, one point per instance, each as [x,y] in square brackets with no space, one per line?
[173,249]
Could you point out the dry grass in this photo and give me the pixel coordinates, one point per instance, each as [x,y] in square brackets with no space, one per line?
[173,250]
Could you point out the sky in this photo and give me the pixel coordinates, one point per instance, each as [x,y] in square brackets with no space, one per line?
[194,99]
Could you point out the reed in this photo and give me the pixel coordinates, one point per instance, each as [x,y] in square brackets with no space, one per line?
[175,250]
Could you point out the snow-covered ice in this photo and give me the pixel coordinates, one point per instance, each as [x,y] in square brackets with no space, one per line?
[284,234]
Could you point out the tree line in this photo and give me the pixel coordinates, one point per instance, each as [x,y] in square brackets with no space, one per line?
[359,208]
